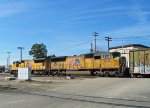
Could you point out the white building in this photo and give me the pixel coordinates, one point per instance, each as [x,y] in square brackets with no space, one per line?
[124,50]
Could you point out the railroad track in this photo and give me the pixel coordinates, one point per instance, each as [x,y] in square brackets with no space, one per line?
[6,88]
[75,76]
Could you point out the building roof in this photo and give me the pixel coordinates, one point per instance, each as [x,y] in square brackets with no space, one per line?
[130,45]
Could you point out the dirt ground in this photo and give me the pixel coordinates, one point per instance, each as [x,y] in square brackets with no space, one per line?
[49,83]
[104,92]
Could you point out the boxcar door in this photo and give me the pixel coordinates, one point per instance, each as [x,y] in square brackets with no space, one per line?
[147,62]
[142,62]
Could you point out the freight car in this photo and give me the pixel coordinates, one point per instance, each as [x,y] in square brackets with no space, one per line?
[102,64]
[139,63]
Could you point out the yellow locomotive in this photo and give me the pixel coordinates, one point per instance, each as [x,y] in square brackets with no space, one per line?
[37,66]
[102,64]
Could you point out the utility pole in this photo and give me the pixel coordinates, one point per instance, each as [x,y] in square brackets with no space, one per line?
[91,50]
[8,60]
[108,39]
[21,48]
[95,35]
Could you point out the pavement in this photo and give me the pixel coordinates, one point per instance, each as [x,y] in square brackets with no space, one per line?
[87,93]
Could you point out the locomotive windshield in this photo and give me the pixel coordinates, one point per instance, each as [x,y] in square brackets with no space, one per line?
[116,54]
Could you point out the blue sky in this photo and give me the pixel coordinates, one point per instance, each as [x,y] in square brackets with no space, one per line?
[66,26]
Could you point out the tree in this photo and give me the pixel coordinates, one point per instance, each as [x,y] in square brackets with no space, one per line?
[38,51]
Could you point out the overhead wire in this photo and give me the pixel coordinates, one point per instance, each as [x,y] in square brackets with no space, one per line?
[74,46]
[61,50]
[131,37]
[86,42]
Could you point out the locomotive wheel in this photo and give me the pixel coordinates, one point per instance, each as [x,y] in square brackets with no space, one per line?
[64,73]
[101,74]
[106,74]
[133,75]
[93,73]
[111,73]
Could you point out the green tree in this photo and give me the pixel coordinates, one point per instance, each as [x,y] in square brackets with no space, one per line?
[38,51]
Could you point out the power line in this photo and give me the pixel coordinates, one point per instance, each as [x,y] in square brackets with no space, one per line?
[77,45]
[121,39]
[116,38]
[131,37]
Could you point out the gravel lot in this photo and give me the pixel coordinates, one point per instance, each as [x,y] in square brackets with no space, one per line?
[78,92]
[39,83]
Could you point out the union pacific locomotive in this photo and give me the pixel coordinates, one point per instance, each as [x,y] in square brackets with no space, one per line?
[102,64]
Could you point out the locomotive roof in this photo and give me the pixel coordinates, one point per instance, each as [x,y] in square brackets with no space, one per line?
[59,57]
[39,59]
[96,54]
[22,60]
[87,54]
